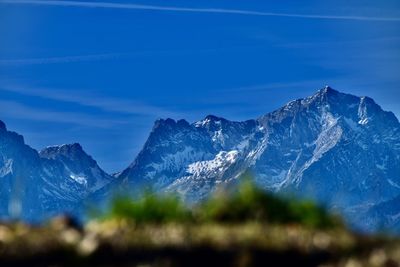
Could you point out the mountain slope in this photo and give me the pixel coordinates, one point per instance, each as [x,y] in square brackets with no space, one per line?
[76,164]
[339,149]
[384,216]
[35,186]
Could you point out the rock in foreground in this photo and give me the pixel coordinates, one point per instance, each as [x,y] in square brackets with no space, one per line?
[120,243]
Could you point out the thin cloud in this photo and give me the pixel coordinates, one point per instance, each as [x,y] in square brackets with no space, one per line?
[95,57]
[12,109]
[55,60]
[349,43]
[107,104]
[195,10]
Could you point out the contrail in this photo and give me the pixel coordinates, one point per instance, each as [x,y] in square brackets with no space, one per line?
[193,10]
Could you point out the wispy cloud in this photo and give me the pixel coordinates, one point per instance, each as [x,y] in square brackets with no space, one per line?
[55,60]
[394,40]
[109,104]
[196,10]
[97,57]
[12,109]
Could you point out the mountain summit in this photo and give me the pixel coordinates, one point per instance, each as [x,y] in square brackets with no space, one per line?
[339,149]
[35,186]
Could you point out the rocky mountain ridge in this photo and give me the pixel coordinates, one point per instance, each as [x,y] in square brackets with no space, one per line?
[338,149]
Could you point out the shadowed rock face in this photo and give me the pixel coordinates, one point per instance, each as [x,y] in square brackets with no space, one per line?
[2,126]
[339,149]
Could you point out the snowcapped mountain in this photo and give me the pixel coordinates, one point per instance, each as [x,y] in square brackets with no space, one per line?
[37,185]
[77,165]
[339,149]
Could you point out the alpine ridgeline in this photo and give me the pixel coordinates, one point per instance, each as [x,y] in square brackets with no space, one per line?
[336,148]
[339,149]
[37,185]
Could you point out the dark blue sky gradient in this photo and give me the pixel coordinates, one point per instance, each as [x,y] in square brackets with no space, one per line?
[101,76]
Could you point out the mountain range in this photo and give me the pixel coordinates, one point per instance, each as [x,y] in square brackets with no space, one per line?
[338,149]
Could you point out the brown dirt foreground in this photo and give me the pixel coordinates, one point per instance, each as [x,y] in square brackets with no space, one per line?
[120,243]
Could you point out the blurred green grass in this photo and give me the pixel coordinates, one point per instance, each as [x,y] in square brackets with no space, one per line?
[239,226]
[150,208]
[247,203]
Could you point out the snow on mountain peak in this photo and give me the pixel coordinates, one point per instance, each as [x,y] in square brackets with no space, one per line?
[340,149]
[209,120]
[362,112]
[326,146]
[77,164]
[328,89]
[222,160]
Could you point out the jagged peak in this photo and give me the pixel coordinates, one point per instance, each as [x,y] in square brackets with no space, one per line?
[74,149]
[368,104]
[64,146]
[162,122]
[213,118]
[169,123]
[367,100]
[209,119]
[18,138]
[326,91]
[182,122]
[328,95]
[322,94]
[3,126]
[368,109]
[323,99]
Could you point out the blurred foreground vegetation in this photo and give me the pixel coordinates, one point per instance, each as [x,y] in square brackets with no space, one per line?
[244,227]
[247,203]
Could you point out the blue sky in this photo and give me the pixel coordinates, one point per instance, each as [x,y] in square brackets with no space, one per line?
[100,73]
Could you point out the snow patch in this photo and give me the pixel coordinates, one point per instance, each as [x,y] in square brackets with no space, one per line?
[363,121]
[79,179]
[202,122]
[7,168]
[393,183]
[381,167]
[222,160]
